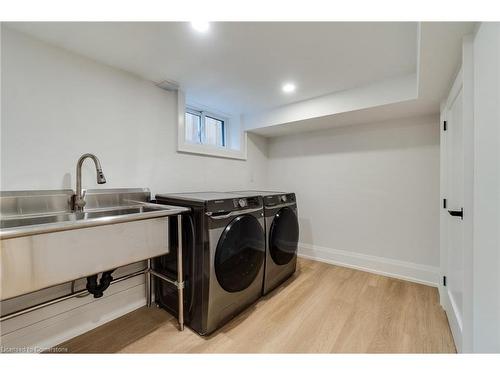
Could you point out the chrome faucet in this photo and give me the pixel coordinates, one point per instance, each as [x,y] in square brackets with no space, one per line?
[79,200]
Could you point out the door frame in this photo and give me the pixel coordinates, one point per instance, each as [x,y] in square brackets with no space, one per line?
[464,81]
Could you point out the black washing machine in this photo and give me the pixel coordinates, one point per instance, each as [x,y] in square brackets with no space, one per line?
[224,255]
[282,236]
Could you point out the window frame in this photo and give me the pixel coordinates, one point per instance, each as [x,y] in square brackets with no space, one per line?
[201,133]
[194,113]
[234,132]
[223,121]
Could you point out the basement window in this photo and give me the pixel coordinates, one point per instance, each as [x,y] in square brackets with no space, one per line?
[208,131]
[204,128]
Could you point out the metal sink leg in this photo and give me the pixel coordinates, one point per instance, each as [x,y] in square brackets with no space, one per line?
[180,274]
[179,283]
[149,292]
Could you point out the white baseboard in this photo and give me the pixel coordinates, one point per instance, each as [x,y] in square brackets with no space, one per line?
[418,273]
[454,319]
[52,325]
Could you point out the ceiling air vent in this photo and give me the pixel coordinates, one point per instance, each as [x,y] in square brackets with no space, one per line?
[168,85]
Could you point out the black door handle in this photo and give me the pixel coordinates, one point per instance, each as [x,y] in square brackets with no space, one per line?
[459,213]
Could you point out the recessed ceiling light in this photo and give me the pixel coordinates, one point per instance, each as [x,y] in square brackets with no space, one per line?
[288,88]
[200,26]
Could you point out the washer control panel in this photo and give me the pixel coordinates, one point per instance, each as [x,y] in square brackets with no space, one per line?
[234,204]
[247,202]
[242,202]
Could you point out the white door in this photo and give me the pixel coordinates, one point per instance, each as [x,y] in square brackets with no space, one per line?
[453,266]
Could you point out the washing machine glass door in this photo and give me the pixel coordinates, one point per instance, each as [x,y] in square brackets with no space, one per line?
[284,236]
[240,253]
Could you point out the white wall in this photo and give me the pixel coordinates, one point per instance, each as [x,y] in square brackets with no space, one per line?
[368,195]
[486,252]
[57,105]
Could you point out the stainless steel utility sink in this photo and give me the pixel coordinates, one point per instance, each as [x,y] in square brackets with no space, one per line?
[45,243]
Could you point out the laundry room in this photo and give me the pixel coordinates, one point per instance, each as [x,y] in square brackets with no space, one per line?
[249,186]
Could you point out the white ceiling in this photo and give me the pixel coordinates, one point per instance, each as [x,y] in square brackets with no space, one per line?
[439,59]
[240,67]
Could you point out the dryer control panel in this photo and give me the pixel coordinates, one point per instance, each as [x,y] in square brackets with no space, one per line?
[275,200]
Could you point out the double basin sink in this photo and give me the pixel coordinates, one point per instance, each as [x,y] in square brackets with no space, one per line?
[45,243]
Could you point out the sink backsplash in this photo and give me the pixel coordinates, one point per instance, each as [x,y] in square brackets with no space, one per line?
[103,198]
[35,202]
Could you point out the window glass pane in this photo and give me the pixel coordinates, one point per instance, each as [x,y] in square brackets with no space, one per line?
[214,132]
[193,127]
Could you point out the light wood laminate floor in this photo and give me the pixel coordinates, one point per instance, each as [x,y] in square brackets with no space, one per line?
[321,309]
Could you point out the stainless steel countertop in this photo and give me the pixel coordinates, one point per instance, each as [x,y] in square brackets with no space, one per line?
[27,225]
[86,219]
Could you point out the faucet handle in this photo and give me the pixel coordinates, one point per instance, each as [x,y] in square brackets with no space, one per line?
[78,203]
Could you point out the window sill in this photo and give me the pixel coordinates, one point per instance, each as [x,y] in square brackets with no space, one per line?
[219,152]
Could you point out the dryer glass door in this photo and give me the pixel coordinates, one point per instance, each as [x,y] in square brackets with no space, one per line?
[284,236]
[240,253]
